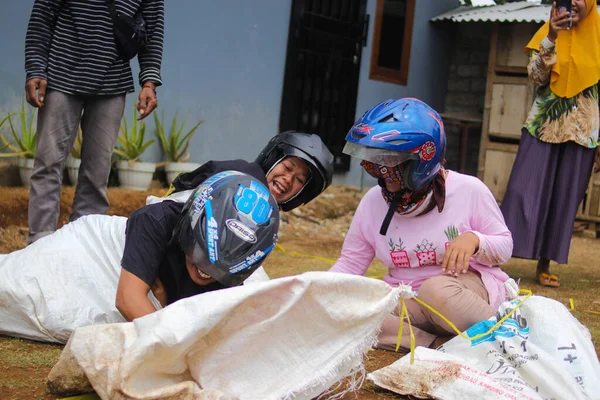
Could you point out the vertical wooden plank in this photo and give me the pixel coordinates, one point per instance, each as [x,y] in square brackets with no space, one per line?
[512,40]
[487,103]
[499,163]
[509,108]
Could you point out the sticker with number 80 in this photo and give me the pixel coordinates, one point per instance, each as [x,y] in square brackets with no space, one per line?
[254,205]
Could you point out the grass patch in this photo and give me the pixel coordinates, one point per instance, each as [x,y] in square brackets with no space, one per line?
[18,353]
[11,383]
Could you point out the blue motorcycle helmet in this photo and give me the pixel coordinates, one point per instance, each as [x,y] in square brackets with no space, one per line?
[401,131]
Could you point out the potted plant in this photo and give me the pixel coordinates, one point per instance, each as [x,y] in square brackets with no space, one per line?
[133,174]
[24,142]
[74,159]
[175,144]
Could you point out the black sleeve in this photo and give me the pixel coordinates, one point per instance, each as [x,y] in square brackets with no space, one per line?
[191,180]
[147,236]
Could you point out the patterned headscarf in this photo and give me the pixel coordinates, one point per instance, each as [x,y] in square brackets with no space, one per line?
[406,201]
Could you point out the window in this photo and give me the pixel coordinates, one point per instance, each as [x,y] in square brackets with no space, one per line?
[392,36]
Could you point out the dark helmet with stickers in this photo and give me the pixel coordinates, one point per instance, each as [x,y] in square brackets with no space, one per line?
[308,147]
[228,226]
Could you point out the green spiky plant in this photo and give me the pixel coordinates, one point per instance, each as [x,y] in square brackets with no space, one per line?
[131,144]
[175,144]
[24,139]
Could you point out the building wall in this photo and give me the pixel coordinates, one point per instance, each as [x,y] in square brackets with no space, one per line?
[466,86]
[427,76]
[224,62]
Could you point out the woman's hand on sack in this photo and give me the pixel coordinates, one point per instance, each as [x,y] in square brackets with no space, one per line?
[597,160]
[558,22]
[148,101]
[459,252]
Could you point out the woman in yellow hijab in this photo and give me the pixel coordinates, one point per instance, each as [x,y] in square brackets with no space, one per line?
[559,141]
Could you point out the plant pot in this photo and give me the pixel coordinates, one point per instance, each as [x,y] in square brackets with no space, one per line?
[25,168]
[173,169]
[136,176]
[73,169]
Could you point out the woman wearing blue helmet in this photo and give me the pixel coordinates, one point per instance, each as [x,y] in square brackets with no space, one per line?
[435,229]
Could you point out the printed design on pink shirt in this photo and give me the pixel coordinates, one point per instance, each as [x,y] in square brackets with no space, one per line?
[398,254]
[451,234]
[426,253]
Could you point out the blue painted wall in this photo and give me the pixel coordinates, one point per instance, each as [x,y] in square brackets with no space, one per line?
[427,75]
[224,62]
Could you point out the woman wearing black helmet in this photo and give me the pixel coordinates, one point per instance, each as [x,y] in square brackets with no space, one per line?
[297,148]
[297,168]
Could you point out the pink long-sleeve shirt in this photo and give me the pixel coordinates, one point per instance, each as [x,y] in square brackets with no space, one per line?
[414,247]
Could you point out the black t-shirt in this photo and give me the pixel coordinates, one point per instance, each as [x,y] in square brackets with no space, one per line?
[191,180]
[149,252]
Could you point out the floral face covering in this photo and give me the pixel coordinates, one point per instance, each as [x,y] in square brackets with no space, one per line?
[406,201]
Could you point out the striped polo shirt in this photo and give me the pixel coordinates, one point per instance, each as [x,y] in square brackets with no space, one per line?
[71,44]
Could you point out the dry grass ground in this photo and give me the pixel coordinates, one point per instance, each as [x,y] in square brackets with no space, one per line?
[316,230]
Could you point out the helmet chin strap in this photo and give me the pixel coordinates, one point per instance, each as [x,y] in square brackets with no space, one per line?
[388,217]
[391,210]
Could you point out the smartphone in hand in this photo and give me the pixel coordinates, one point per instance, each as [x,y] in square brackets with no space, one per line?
[563,6]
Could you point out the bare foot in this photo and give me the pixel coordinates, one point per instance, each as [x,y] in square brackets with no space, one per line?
[543,266]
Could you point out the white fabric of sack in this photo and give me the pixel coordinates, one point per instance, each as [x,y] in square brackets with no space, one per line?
[63,281]
[180,197]
[290,337]
[540,352]
[67,280]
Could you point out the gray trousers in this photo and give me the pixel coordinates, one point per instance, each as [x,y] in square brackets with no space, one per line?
[58,121]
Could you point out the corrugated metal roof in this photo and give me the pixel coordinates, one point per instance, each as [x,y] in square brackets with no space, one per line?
[509,12]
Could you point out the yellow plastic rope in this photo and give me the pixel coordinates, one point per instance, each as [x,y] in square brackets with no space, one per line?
[404,312]
[295,253]
[89,396]
[592,312]
[493,328]
[572,308]
[401,311]
[280,248]
[170,190]
[328,260]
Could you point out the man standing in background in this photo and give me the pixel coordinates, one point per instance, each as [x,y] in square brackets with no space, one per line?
[76,77]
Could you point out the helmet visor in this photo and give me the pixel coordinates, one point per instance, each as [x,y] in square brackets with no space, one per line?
[386,157]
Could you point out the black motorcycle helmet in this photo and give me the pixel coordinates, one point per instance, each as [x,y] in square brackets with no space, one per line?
[310,148]
[228,226]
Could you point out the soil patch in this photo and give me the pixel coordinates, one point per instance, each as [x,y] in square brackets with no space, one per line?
[311,238]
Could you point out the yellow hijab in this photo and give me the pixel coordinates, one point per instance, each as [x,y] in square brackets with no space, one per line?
[578,54]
